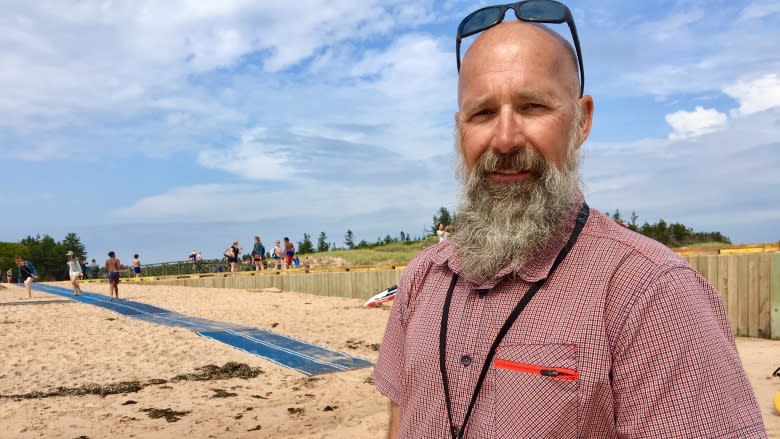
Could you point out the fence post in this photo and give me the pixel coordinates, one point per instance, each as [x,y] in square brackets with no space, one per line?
[774,273]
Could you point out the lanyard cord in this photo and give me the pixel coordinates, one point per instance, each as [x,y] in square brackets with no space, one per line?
[457,433]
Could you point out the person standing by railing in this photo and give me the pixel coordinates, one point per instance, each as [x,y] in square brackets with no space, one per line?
[136,265]
[258,254]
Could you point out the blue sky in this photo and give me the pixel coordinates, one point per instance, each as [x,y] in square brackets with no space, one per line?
[159,127]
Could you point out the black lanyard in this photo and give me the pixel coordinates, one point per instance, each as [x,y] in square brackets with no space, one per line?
[457,433]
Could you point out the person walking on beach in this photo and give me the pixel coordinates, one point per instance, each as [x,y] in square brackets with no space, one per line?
[278,255]
[539,316]
[136,265]
[289,253]
[27,274]
[75,272]
[258,254]
[113,267]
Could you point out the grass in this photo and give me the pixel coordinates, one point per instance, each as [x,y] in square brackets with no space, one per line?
[394,253]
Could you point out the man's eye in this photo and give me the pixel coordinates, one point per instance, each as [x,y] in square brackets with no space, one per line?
[533,106]
[482,112]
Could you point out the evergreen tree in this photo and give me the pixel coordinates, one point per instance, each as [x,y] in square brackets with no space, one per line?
[403,236]
[72,242]
[349,239]
[442,216]
[322,243]
[305,246]
[632,224]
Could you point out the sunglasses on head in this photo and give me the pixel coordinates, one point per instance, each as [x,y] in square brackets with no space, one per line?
[533,11]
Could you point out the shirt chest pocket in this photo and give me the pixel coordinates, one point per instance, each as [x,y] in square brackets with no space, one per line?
[535,391]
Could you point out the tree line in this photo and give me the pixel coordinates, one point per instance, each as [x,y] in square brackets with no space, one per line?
[47,254]
[669,234]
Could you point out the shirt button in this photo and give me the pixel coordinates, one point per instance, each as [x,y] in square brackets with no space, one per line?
[455,430]
[465,360]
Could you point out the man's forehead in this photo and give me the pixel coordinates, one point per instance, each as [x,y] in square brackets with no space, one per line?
[518,33]
[513,42]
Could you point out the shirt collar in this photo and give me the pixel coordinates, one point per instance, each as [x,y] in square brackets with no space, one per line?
[534,269]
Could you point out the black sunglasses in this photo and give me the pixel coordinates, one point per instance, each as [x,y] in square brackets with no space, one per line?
[534,11]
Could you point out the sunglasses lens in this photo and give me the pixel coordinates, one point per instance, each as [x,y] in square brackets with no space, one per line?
[480,20]
[541,10]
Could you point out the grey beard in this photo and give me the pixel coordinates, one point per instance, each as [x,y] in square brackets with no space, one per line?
[500,224]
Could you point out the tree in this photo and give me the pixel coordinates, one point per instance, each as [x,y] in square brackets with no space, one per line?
[349,239]
[632,224]
[322,243]
[442,216]
[403,236]
[305,246]
[72,242]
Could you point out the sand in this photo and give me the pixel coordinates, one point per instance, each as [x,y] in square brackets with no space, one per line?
[57,343]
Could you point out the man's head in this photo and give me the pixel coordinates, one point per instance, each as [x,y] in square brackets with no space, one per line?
[19,261]
[519,127]
[111,254]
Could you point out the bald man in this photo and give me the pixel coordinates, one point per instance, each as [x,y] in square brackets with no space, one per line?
[541,317]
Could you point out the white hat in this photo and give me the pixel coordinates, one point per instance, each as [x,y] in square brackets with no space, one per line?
[70,253]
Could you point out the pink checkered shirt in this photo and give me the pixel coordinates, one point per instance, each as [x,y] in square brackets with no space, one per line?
[638,340]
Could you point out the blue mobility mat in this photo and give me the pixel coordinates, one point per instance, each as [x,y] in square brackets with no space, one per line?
[285,351]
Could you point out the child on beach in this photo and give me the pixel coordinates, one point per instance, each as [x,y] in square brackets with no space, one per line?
[112,269]
[136,265]
[74,271]
[27,274]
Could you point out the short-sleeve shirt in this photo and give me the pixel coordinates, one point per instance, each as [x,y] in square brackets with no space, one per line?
[642,338]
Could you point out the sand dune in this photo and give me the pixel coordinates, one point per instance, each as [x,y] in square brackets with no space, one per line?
[55,343]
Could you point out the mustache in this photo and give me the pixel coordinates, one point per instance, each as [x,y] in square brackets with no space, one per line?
[523,160]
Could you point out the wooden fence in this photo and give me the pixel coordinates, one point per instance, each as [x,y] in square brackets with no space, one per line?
[748,283]
[355,284]
[750,287]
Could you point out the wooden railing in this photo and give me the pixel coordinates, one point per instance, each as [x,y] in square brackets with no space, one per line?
[748,281]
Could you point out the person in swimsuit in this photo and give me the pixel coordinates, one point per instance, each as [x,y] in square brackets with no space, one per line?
[112,269]
[136,265]
[233,253]
[289,253]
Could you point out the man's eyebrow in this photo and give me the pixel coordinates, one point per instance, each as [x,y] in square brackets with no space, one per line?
[522,96]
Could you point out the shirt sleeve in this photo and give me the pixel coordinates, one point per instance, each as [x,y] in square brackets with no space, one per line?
[388,372]
[676,371]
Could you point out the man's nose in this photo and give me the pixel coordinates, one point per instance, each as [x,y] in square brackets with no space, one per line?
[508,136]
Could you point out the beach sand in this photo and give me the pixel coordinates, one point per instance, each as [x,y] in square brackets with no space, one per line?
[58,343]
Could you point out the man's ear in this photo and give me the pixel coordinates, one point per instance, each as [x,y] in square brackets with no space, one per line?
[586,121]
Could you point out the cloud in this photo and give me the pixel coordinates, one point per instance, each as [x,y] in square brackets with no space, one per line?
[723,180]
[695,123]
[113,61]
[693,48]
[755,95]
[760,9]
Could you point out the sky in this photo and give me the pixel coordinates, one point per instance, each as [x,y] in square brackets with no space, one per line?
[160,127]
